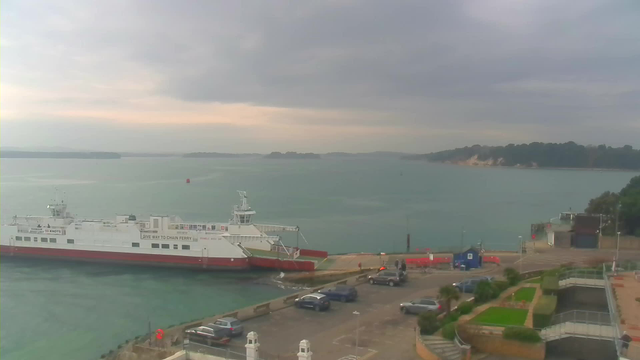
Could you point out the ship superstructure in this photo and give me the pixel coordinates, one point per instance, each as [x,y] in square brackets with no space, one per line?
[160,240]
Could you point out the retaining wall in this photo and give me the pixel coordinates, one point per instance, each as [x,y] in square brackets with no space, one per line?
[626,242]
[497,345]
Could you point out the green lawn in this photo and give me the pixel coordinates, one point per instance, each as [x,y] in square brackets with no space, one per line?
[537,280]
[525,293]
[501,316]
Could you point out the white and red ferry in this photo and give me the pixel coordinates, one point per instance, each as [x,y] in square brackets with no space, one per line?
[161,240]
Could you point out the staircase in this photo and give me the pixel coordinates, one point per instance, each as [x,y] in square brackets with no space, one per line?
[444,349]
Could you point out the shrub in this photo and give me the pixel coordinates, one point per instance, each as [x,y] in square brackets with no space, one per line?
[484,292]
[520,334]
[553,272]
[452,317]
[501,285]
[428,323]
[550,285]
[449,331]
[465,308]
[544,310]
[512,275]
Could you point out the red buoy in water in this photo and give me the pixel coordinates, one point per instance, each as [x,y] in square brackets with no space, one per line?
[188,181]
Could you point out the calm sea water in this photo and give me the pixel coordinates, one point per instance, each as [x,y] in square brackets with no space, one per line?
[78,311]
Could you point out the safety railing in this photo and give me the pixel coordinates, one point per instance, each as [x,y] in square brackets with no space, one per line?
[463,346]
[572,329]
[581,274]
[613,311]
[582,317]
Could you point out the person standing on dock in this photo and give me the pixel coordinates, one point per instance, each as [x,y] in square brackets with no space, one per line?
[397,264]
[360,266]
[625,339]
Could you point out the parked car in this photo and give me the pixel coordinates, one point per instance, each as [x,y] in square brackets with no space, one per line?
[314,301]
[343,293]
[391,278]
[421,305]
[228,326]
[469,285]
[206,335]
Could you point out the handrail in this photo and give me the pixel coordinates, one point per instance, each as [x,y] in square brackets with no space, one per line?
[246,252]
[582,317]
[581,274]
[459,342]
[615,320]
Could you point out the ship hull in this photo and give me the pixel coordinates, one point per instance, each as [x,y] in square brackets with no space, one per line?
[250,263]
[127,258]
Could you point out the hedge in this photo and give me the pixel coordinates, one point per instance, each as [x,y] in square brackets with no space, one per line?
[449,331]
[550,285]
[544,310]
[465,308]
[451,318]
[484,291]
[500,286]
[428,323]
[521,334]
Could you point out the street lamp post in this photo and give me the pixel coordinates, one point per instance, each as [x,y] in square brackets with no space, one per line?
[357,314]
[520,237]
[618,248]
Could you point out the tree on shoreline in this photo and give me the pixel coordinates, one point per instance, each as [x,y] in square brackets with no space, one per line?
[627,203]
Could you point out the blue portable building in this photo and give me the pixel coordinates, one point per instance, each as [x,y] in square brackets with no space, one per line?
[470,258]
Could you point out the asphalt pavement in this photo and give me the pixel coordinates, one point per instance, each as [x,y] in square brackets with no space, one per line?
[374,321]
[383,332]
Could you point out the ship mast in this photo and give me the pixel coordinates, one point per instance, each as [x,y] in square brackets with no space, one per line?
[242,213]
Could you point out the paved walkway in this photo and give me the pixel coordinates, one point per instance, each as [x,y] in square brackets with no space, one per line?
[536,297]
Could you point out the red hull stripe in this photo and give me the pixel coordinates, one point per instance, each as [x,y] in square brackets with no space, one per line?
[314,253]
[229,263]
[237,263]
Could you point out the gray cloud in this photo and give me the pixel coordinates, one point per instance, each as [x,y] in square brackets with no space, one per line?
[535,70]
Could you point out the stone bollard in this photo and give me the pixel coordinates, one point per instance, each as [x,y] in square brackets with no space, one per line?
[252,346]
[305,350]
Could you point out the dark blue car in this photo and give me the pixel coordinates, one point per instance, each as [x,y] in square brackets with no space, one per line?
[314,301]
[469,285]
[343,293]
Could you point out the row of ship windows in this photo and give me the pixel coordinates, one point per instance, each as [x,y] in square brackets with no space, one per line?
[135,244]
[42,239]
[163,246]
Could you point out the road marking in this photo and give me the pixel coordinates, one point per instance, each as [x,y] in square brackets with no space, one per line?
[335,341]
[353,357]
[373,352]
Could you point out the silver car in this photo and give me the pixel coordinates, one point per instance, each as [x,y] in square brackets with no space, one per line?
[229,326]
[420,305]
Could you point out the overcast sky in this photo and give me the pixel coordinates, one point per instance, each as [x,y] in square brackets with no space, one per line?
[261,76]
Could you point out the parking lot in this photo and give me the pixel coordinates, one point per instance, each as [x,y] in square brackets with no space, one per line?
[382,330]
